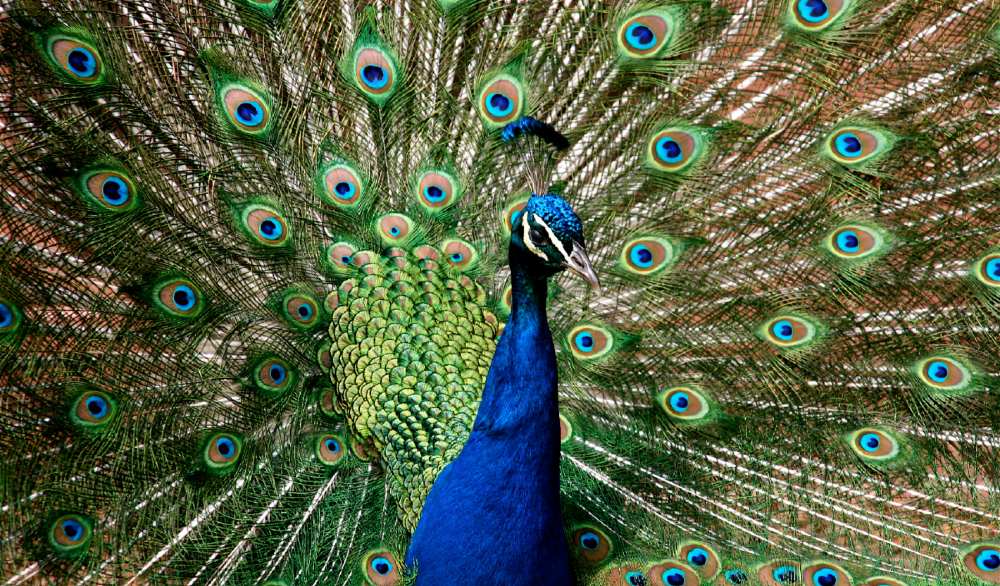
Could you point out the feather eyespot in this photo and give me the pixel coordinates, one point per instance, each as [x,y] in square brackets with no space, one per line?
[459,255]
[273,376]
[266,225]
[10,317]
[343,186]
[684,404]
[340,256]
[873,445]
[395,228]
[987,270]
[381,569]
[301,310]
[645,35]
[882,581]
[816,15]
[647,256]
[675,149]
[501,100]
[779,573]
[93,409]
[324,357]
[374,72]
[943,373]
[222,451]
[672,573]
[982,560]
[247,110]
[701,557]
[591,544]
[565,429]
[588,342]
[821,573]
[329,449]
[328,403]
[789,331]
[110,190]
[853,144]
[178,297]
[437,190]
[854,242]
[77,58]
[70,534]
[510,214]
[737,577]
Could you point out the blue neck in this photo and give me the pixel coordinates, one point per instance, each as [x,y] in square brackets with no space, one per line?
[493,514]
[520,395]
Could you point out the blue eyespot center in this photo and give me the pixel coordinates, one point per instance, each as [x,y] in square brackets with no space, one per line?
[332,445]
[97,407]
[938,371]
[249,113]
[115,191]
[786,575]
[305,311]
[499,105]
[381,566]
[870,442]
[813,10]
[988,560]
[434,194]
[825,577]
[679,402]
[82,62]
[590,541]
[72,529]
[668,150]
[277,373]
[783,330]
[848,145]
[6,315]
[847,241]
[697,557]
[635,579]
[737,577]
[394,231]
[674,577]
[640,36]
[344,190]
[346,260]
[641,256]
[456,257]
[993,269]
[184,297]
[584,341]
[374,76]
[225,447]
[271,229]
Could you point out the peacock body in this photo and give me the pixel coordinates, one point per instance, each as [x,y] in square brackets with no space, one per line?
[257,258]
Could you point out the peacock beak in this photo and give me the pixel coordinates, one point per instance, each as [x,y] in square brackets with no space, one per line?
[580,264]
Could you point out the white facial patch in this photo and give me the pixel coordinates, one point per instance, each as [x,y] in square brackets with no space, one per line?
[527,239]
[552,237]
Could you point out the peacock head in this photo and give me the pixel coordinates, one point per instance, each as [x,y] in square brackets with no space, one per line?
[552,234]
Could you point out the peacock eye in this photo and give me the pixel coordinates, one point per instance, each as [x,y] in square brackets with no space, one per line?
[538,237]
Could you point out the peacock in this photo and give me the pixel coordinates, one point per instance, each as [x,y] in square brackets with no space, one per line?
[500,292]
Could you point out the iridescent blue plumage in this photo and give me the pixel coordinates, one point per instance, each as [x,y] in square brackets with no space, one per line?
[493,514]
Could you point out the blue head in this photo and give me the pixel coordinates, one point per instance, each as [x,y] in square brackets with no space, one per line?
[551,235]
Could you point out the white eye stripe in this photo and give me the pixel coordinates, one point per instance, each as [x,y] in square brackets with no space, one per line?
[552,238]
[527,238]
